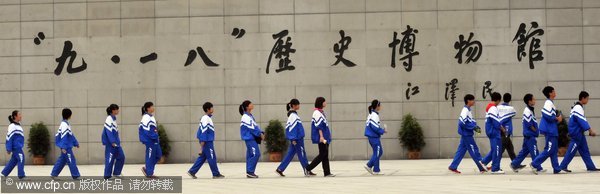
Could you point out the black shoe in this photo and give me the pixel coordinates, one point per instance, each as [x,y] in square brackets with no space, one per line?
[279,172]
[310,173]
[220,176]
[144,171]
[193,176]
[251,175]
[566,170]
[593,170]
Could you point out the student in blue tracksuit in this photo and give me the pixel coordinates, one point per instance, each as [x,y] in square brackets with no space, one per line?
[507,112]
[206,137]
[467,126]
[252,135]
[294,132]
[578,124]
[321,135]
[65,140]
[530,133]
[494,130]
[114,157]
[373,131]
[548,127]
[148,134]
[14,146]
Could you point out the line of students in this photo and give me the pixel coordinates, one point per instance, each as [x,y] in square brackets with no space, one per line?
[499,129]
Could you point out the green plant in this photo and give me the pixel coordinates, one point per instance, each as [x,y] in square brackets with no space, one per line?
[164,140]
[411,134]
[563,133]
[275,137]
[38,142]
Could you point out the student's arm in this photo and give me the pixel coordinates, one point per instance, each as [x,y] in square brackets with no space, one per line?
[153,132]
[111,136]
[321,138]
[201,147]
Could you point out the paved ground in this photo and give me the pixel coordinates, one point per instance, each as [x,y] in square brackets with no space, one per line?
[412,176]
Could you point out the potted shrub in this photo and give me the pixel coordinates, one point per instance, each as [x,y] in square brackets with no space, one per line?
[411,136]
[38,143]
[164,144]
[275,140]
[563,137]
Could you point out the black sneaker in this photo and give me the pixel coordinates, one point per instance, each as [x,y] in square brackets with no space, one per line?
[566,170]
[220,176]
[279,172]
[593,170]
[193,176]
[251,175]
[330,175]
[309,173]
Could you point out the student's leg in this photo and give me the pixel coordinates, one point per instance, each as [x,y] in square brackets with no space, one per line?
[211,157]
[554,155]
[533,149]
[377,153]
[460,153]
[510,148]
[471,146]
[316,160]
[571,151]
[488,158]
[59,165]
[544,155]
[199,162]
[119,161]
[326,170]
[109,160]
[288,157]
[72,162]
[14,160]
[21,164]
[150,154]
[522,154]
[374,147]
[584,151]
[301,154]
[497,154]
[252,156]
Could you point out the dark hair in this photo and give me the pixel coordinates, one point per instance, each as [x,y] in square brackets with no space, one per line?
[468,98]
[583,94]
[66,113]
[527,98]
[294,101]
[11,117]
[110,108]
[289,105]
[374,104]
[547,90]
[146,106]
[507,97]
[206,106]
[244,106]
[319,102]
[496,96]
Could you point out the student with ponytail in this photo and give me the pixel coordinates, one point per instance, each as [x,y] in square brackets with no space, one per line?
[114,157]
[148,133]
[373,131]
[320,135]
[252,135]
[14,146]
[294,131]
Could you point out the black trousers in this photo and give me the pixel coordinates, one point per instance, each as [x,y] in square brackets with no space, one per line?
[322,157]
[508,146]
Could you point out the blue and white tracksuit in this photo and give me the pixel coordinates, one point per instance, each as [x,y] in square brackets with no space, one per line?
[65,140]
[529,137]
[249,131]
[294,131]
[114,157]
[466,128]
[373,131]
[548,127]
[506,113]
[319,123]
[578,124]
[148,133]
[14,144]
[493,131]
[206,134]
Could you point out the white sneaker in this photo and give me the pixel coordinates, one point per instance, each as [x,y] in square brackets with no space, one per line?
[378,173]
[498,172]
[368,169]
[533,169]
[483,166]
[118,176]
